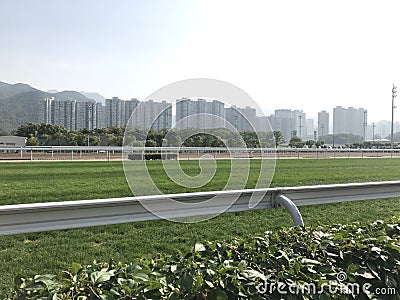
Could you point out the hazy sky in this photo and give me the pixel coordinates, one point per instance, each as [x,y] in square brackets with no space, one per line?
[309,55]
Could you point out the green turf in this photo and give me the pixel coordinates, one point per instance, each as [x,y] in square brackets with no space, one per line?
[58,181]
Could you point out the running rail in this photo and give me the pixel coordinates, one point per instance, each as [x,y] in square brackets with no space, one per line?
[35,217]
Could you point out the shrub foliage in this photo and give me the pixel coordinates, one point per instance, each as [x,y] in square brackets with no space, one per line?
[355,261]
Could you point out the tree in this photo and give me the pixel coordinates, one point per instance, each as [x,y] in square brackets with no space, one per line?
[279,139]
[94,140]
[173,139]
[151,143]
[72,138]
[296,142]
[235,142]
[310,143]
[32,141]
[59,138]
[113,140]
[39,129]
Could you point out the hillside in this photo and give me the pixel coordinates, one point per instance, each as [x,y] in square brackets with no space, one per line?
[10,90]
[69,95]
[20,109]
[19,104]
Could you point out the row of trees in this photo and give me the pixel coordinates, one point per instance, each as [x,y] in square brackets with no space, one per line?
[44,134]
[48,134]
[297,142]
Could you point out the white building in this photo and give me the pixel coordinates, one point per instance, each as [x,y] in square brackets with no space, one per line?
[199,113]
[71,114]
[290,123]
[12,141]
[323,123]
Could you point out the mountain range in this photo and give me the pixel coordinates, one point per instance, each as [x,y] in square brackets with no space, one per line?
[19,103]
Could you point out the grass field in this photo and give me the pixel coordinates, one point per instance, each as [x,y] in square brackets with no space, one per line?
[60,181]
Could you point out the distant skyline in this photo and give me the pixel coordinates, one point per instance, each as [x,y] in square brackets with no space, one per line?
[306,55]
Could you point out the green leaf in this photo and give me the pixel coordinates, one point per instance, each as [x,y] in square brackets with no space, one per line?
[99,277]
[75,268]
[351,268]
[310,261]
[217,294]
[376,249]
[393,246]
[374,270]
[199,247]
[141,276]
[209,283]
[364,274]
[186,281]
[252,274]
[47,280]
[173,268]
[390,281]
[19,281]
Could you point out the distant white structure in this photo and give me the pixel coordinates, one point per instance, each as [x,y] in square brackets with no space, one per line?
[323,123]
[12,141]
[310,129]
[290,123]
[199,113]
[349,120]
[381,130]
[71,114]
[149,115]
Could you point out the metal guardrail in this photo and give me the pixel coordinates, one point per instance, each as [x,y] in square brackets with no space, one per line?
[25,218]
[191,149]
[119,153]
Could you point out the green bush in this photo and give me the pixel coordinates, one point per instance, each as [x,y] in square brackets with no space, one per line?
[152,156]
[355,261]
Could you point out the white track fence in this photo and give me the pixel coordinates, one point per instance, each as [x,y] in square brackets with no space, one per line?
[24,218]
[116,153]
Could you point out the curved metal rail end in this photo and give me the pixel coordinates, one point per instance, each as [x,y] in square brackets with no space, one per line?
[294,212]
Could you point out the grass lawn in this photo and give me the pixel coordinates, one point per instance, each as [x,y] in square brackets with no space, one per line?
[27,182]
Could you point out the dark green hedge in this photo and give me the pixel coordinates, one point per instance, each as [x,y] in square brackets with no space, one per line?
[152,156]
[356,261]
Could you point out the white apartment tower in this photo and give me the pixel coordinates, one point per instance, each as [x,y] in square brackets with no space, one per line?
[323,124]
[199,113]
[349,120]
[290,123]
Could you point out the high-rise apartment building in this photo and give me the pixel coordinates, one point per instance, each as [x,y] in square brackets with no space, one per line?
[71,114]
[129,108]
[290,123]
[339,120]
[45,110]
[243,119]
[349,120]
[86,115]
[147,115]
[310,132]
[199,113]
[152,115]
[115,112]
[323,123]
[100,115]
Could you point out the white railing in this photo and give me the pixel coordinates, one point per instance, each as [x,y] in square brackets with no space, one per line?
[24,218]
[115,153]
[135,149]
